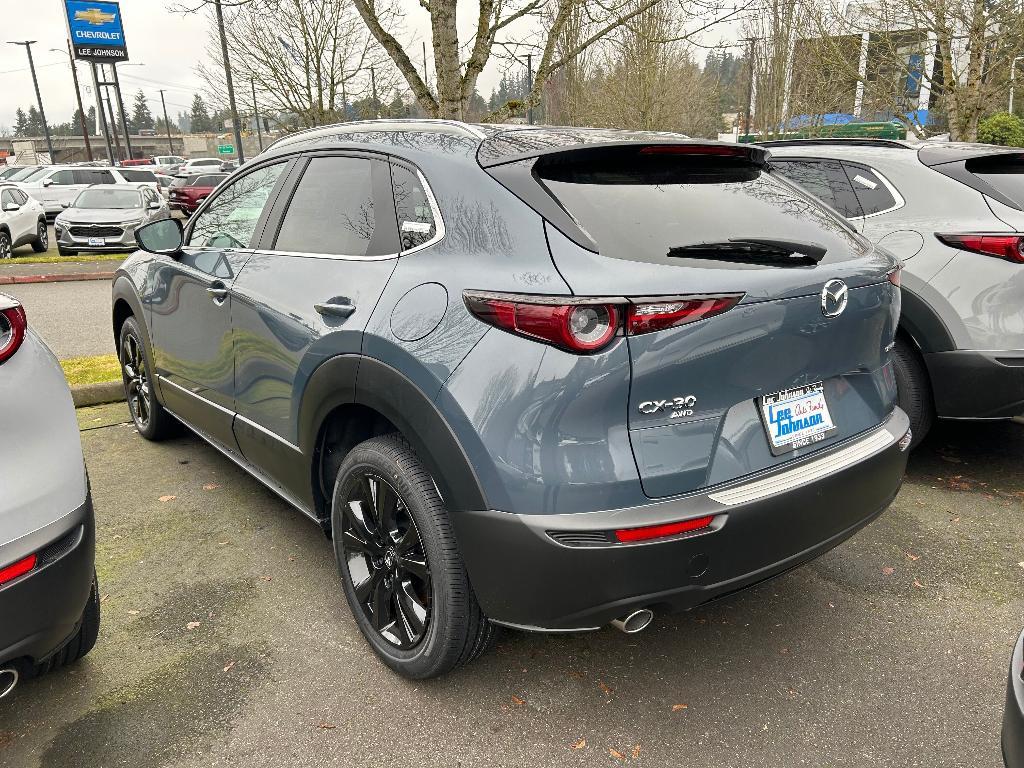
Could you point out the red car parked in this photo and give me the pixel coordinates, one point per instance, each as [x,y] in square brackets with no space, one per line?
[187,193]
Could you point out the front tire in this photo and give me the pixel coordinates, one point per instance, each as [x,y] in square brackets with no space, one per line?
[914,390]
[152,421]
[42,242]
[6,249]
[401,570]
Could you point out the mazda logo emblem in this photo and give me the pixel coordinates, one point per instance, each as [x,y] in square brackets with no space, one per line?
[834,296]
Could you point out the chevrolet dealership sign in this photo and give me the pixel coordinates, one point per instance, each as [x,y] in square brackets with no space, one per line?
[95,30]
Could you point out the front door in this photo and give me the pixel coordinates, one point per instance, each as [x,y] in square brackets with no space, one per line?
[306,295]
[191,305]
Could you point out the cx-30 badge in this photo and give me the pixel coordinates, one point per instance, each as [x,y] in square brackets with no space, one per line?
[679,406]
[834,296]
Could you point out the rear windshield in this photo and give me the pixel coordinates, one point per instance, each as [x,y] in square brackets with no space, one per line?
[1005,175]
[23,174]
[661,208]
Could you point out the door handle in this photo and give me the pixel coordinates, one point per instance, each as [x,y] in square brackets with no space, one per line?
[335,310]
[218,292]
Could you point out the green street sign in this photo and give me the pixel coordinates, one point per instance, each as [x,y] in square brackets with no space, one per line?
[225,149]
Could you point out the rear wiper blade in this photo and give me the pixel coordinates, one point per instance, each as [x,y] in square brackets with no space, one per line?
[754,250]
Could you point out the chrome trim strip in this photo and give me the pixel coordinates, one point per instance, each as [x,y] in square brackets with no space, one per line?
[333,256]
[267,432]
[164,380]
[805,473]
[544,630]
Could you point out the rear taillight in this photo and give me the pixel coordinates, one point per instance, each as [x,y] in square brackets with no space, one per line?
[648,532]
[1009,247]
[19,568]
[12,329]
[585,325]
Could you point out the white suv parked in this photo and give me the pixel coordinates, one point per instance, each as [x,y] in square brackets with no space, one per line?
[55,185]
[22,221]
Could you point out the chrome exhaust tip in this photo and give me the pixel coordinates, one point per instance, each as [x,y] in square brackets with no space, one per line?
[8,680]
[634,622]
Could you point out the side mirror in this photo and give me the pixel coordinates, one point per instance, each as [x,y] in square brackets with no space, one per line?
[65,204]
[155,206]
[12,207]
[47,182]
[164,237]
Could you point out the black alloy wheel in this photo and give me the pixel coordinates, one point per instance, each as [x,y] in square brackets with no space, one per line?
[385,559]
[42,242]
[136,380]
[6,251]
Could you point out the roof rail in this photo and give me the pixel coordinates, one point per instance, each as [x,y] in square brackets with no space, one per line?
[853,141]
[361,126]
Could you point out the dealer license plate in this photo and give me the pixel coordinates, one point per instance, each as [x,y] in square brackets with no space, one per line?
[796,417]
[97,241]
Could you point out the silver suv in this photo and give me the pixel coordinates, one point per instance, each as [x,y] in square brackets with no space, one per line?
[954,213]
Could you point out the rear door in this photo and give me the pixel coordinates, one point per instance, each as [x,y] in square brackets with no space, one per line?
[191,304]
[306,294]
[775,354]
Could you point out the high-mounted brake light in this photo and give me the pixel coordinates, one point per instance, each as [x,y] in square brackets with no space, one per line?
[694,149]
[16,569]
[584,325]
[1009,247]
[12,330]
[648,532]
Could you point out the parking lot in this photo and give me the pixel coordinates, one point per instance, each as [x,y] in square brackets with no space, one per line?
[226,641]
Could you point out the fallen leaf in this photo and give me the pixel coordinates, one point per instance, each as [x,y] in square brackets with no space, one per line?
[913,557]
[918,584]
[192,625]
[168,498]
[954,520]
[517,701]
[133,613]
[607,690]
[581,744]
[222,543]
[268,578]
[888,570]
[229,665]
[327,726]
[211,487]
[636,752]
[616,754]
[1021,564]
[831,605]
[678,707]
[103,598]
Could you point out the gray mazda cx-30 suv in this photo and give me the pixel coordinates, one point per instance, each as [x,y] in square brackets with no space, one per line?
[544,378]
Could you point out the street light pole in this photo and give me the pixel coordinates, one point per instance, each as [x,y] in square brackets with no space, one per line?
[256,114]
[227,80]
[39,99]
[529,87]
[78,98]
[1013,78]
[167,123]
[120,109]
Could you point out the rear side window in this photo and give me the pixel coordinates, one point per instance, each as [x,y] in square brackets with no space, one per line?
[667,209]
[7,197]
[416,223]
[207,181]
[825,179]
[1005,175]
[138,175]
[93,176]
[332,210]
[62,178]
[872,192]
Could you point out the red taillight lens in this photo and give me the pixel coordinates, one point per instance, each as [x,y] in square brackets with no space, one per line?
[1009,247]
[661,531]
[12,330]
[577,327]
[20,568]
[694,149]
[645,317]
[896,276]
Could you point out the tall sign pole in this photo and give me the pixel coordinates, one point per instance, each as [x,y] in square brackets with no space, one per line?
[101,113]
[27,44]
[120,109]
[167,124]
[78,97]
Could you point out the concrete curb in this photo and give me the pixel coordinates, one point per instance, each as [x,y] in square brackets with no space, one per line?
[70,277]
[97,394]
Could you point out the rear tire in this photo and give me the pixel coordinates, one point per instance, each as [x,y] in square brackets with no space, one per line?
[401,570]
[84,639]
[6,249]
[914,391]
[42,242]
[152,421]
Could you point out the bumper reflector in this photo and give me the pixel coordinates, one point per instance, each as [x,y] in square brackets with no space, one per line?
[661,531]
[19,568]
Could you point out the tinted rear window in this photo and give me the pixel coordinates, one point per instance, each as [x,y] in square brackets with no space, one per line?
[1004,174]
[652,208]
[130,175]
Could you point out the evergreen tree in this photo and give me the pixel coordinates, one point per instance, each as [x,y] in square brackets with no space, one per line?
[35,123]
[184,122]
[141,116]
[161,127]
[20,123]
[200,117]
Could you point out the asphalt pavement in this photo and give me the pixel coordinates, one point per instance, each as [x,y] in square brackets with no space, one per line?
[226,641]
[73,318]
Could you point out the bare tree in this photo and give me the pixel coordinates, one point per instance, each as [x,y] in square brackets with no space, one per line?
[456,75]
[304,57]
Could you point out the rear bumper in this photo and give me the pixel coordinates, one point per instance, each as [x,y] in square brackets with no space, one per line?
[763,526]
[977,385]
[1013,717]
[41,610]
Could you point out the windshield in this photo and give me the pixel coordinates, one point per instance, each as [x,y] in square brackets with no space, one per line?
[109,198]
[33,174]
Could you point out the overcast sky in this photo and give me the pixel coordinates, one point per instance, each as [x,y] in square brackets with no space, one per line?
[163,50]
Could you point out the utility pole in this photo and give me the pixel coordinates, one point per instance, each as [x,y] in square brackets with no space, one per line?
[239,153]
[120,109]
[100,114]
[529,87]
[39,99]
[113,129]
[78,97]
[373,83]
[256,114]
[167,123]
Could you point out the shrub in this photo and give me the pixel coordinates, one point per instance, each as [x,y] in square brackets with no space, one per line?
[1002,128]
